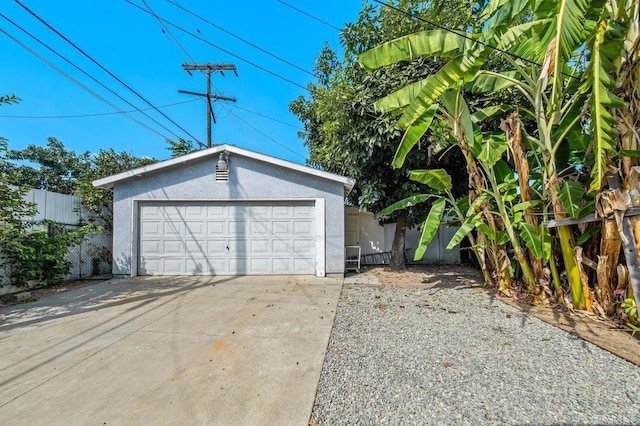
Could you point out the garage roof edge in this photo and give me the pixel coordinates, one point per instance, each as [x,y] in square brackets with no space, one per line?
[109,181]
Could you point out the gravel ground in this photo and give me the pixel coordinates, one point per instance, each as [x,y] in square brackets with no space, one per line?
[459,356]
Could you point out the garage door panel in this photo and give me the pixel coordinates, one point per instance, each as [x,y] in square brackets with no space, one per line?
[237,248]
[217,228]
[151,247]
[195,228]
[259,265]
[238,266]
[303,211]
[260,211]
[282,211]
[260,228]
[282,266]
[301,227]
[172,229]
[197,266]
[281,246]
[218,266]
[195,248]
[304,265]
[172,248]
[203,238]
[173,266]
[150,266]
[259,247]
[303,246]
[215,212]
[216,247]
[195,212]
[150,212]
[239,211]
[281,227]
[151,229]
[238,227]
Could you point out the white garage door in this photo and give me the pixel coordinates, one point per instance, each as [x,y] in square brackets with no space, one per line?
[227,238]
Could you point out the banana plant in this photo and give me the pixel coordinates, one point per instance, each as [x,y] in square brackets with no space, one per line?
[440,182]
[543,54]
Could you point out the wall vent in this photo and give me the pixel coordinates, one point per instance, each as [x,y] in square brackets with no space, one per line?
[222,168]
[222,175]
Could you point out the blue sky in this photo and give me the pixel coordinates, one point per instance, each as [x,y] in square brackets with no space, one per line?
[131,44]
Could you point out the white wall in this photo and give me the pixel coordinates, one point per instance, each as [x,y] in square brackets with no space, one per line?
[363,229]
[59,208]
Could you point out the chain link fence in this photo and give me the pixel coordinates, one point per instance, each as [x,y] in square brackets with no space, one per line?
[90,258]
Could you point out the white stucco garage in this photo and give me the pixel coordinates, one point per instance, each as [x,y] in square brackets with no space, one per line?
[227,211]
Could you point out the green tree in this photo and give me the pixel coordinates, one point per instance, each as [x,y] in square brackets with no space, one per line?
[180,147]
[107,162]
[52,167]
[346,135]
[13,209]
[27,253]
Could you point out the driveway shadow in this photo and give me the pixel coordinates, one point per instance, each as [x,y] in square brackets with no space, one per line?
[137,291]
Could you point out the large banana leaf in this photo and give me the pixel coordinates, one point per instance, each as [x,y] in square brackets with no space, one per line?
[507,11]
[452,74]
[437,179]
[407,202]
[493,146]
[412,135]
[532,240]
[571,194]
[433,43]
[454,103]
[464,230]
[493,82]
[482,114]
[605,47]
[562,37]
[430,227]
[517,33]
[400,98]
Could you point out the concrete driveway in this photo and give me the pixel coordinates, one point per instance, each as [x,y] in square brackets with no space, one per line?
[212,350]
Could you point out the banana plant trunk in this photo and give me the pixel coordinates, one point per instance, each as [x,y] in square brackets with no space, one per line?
[567,247]
[511,127]
[610,244]
[498,256]
[398,260]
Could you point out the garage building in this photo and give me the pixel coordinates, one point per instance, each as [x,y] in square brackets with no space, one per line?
[227,211]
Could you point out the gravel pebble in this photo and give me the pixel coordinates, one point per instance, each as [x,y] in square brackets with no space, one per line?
[460,356]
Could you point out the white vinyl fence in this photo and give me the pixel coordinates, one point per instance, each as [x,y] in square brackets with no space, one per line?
[375,240]
[91,257]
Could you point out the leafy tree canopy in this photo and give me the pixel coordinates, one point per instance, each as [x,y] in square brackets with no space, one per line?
[344,133]
[180,147]
[58,169]
[52,167]
[105,163]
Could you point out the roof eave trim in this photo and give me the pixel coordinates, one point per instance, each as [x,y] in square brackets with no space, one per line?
[109,181]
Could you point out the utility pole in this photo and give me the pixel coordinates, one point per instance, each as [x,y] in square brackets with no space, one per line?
[208,69]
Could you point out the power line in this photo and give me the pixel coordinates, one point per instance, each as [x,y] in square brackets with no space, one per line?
[265,135]
[253,64]
[169,34]
[64,74]
[55,52]
[265,116]
[105,69]
[265,51]
[96,114]
[309,15]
